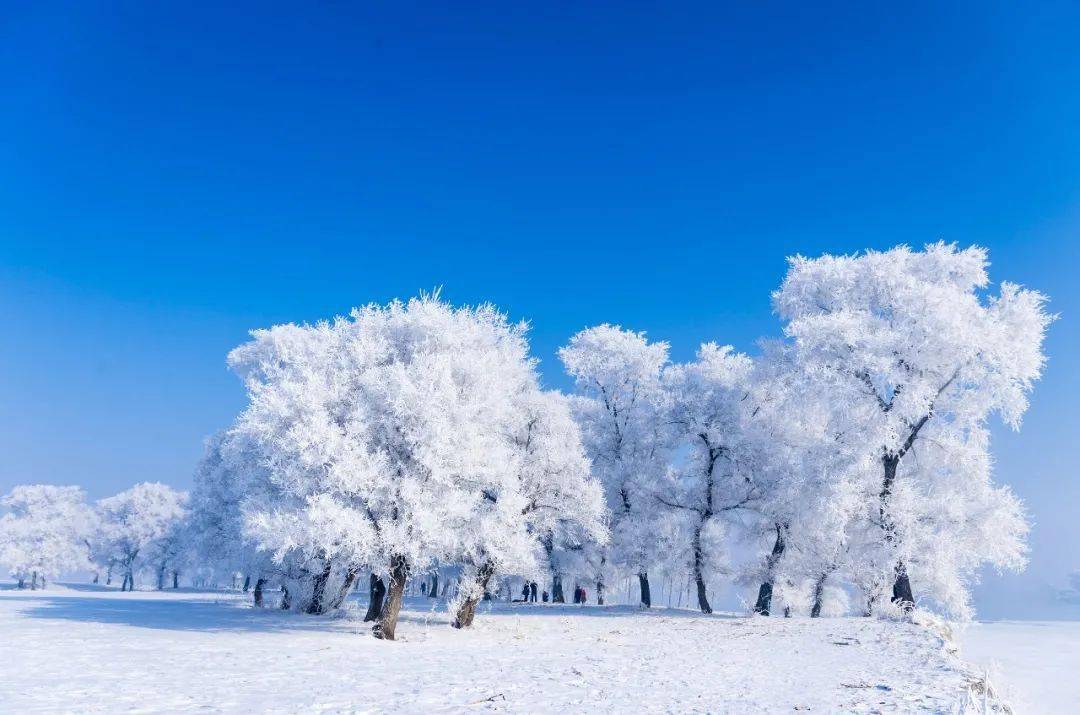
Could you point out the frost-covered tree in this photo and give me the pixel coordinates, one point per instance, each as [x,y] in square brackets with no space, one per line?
[229,472]
[820,520]
[170,553]
[383,437]
[548,499]
[44,532]
[137,526]
[917,357]
[709,405]
[812,482]
[619,403]
[306,461]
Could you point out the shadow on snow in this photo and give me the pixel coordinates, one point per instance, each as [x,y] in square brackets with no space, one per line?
[232,611]
[228,614]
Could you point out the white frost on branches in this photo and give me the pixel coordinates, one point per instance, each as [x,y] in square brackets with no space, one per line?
[45,531]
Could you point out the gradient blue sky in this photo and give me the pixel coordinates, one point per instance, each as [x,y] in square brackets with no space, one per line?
[178,173]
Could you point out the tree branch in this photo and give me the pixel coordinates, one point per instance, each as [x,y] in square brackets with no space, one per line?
[673,505]
[925,418]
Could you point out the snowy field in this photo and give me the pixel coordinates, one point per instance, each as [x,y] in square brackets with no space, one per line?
[1035,664]
[85,649]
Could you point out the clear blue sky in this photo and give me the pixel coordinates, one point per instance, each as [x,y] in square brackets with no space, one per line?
[176,174]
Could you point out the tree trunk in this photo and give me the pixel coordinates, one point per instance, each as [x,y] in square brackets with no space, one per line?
[343,592]
[387,624]
[702,597]
[819,591]
[902,595]
[600,592]
[33,581]
[108,576]
[95,577]
[646,595]
[22,583]
[467,610]
[901,590]
[699,572]
[433,592]
[318,590]
[556,578]
[247,582]
[376,592]
[175,579]
[258,594]
[765,593]
[286,602]
[161,577]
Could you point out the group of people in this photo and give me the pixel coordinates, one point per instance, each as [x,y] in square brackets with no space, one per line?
[529,591]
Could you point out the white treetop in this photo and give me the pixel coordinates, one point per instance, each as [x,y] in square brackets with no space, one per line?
[709,405]
[387,435]
[139,520]
[620,399]
[916,358]
[548,501]
[45,530]
[229,473]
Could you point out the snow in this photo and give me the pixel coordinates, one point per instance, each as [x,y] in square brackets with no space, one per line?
[88,649]
[1034,664]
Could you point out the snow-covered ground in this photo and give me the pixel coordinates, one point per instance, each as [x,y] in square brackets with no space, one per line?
[1035,664]
[85,649]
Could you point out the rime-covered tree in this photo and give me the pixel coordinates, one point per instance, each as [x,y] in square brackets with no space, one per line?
[812,482]
[618,405]
[709,405]
[547,499]
[44,532]
[383,436]
[918,356]
[229,472]
[312,468]
[136,524]
[168,554]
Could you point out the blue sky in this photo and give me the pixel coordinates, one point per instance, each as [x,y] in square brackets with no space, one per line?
[177,174]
